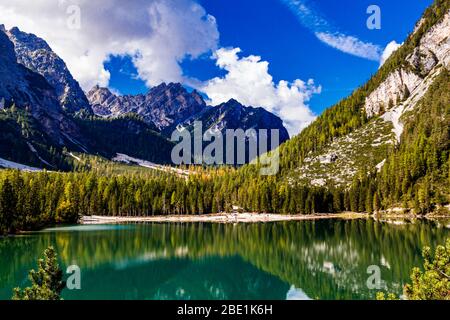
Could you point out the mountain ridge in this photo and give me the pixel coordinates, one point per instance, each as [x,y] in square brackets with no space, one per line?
[170,105]
[46,98]
[35,54]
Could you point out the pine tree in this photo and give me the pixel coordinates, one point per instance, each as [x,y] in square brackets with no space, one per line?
[8,203]
[434,282]
[46,282]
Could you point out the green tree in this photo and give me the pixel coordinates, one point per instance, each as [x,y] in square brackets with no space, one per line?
[46,282]
[8,204]
[431,284]
[383,296]
[434,282]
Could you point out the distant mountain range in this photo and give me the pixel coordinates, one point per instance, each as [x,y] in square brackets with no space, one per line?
[38,91]
[168,105]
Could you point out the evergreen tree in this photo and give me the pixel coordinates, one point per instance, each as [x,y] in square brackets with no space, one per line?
[8,206]
[434,282]
[46,282]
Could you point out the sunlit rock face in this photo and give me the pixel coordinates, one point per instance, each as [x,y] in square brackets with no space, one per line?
[35,54]
[432,52]
[29,90]
[390,91]
[163,106]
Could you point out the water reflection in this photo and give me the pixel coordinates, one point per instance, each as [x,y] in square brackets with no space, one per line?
[296,294]
[316,259]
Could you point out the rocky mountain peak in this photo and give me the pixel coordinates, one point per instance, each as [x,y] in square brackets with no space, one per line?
[233,115]
[232,102]
[168,105]
[35,54]
[163,106]
[31,91]
[97,90]
[31,41]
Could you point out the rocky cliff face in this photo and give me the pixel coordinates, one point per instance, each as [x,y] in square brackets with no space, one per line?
[437,41]
[164,106]
[432,52]
[35,54]
[31,91]
[394,89]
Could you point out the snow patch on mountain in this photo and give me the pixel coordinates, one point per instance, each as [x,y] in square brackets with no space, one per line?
[120,157]
[33,149]
[14,165]
[380,165]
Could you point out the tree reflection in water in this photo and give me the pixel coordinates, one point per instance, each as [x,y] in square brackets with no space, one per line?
[325,259]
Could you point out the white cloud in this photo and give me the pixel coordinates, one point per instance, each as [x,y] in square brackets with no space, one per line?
[351,45]
[158,34]
[329,34]
[248,80]
[389,50]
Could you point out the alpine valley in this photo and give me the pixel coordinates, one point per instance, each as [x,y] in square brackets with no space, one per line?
[46,115]
[383,148]
[87,175]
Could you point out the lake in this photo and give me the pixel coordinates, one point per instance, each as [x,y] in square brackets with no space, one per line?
[326,259]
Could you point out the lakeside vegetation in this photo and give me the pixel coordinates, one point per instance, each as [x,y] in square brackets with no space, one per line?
[433,283]
[46,282]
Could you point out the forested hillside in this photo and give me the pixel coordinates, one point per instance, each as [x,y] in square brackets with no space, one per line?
[417,174]
[349,114]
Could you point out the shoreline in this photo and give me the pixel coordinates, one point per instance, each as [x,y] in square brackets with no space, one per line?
[228,218]
[219,218]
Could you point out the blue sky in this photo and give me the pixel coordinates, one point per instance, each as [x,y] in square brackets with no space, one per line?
[268,28]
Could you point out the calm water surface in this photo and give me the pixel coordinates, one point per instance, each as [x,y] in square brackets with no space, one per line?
[291,260]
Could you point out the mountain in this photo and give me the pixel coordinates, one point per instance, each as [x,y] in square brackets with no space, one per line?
[45,112]
[164,106]
[36,130]
[359,132]
[233,115]
[32,121]
[35,54]
[388,143]
[168,105]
